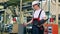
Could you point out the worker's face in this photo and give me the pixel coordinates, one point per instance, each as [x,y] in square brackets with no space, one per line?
[35,7]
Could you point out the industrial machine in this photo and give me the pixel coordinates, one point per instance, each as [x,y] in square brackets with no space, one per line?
[4,27]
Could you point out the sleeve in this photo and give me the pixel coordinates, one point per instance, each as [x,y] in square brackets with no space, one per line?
[43,15]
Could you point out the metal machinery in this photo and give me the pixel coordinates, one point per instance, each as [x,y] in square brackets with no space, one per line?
[4,27]
[1,21]
[52,27]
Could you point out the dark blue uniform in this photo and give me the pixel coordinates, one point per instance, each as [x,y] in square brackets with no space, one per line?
[35,29]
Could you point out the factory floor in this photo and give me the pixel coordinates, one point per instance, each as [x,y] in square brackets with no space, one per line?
[13,33]
[17,33]
[7,33]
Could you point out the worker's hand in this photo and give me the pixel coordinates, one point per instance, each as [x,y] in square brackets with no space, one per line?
[25,24]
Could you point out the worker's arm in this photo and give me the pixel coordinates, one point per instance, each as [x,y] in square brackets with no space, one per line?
[28,22]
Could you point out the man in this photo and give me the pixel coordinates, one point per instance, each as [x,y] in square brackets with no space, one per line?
[36,17]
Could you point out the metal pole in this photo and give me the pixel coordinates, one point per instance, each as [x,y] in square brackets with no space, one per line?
[41,4]
[56,12]
[20,26]
[48,9]
[49,5]
[20,10]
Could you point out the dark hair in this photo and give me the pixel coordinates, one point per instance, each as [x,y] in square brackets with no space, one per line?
[37,4]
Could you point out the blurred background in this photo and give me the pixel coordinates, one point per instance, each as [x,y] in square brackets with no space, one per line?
[13,13]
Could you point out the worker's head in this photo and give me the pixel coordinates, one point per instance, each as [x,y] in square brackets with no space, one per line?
[35,5]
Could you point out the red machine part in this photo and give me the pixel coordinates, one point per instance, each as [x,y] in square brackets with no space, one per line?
[54,28]
[51,19]
[14,19]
